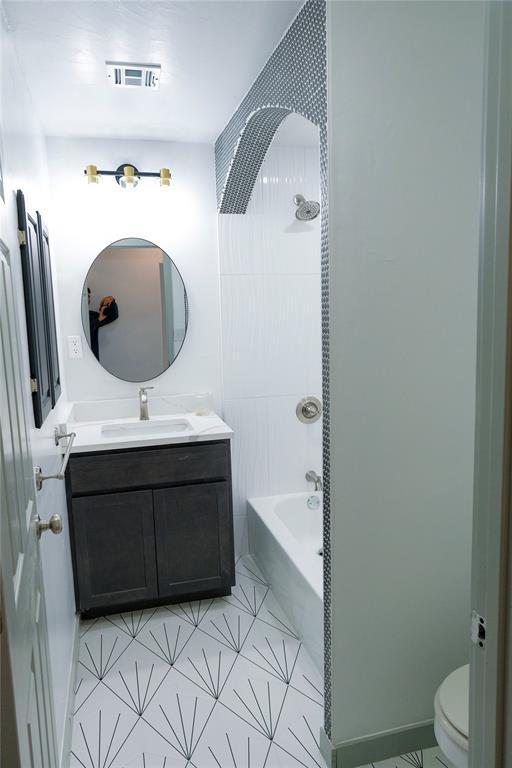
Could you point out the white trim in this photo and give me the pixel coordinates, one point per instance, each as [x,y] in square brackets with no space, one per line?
[493,442]
[65,747]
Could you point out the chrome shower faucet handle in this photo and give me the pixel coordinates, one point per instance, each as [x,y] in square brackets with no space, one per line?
[309,409]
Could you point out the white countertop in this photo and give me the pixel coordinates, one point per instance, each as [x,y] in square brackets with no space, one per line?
[96,435]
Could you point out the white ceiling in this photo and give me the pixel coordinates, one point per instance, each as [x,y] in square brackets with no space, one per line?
[210,52]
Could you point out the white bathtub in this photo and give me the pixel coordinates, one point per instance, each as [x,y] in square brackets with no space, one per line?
[285,537]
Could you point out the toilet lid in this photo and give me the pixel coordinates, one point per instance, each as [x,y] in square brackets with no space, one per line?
[454,699]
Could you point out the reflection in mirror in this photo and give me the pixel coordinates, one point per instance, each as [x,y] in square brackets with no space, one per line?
[134,309]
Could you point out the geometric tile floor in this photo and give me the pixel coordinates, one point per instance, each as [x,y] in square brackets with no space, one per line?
[223,683]
[429,758]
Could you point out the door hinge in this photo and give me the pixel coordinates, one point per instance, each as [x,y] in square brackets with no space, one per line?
[478,629]
[33,386]
[22,237]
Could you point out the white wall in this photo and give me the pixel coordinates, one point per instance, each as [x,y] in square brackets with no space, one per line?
[24,165]
[181,220]
[405,105]
[271,328]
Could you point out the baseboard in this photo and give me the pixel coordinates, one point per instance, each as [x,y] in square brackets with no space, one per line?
[381,746]
[65,750]
[328,753]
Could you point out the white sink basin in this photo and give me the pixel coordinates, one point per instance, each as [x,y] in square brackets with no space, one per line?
[115,424]
[136,428]
[128,408]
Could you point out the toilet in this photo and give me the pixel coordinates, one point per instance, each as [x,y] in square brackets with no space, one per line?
[451,723]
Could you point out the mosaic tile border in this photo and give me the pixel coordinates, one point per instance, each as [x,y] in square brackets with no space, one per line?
[294,79]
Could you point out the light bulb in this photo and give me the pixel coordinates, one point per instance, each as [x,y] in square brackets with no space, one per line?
[129,180]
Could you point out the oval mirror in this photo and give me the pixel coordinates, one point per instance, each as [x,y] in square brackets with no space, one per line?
[134,310]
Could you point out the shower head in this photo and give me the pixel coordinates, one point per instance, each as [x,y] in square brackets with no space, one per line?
[307,210]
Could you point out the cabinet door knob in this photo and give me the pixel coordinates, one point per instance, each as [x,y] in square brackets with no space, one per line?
[54,524]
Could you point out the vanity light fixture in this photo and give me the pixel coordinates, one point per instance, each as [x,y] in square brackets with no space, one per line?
[127,175]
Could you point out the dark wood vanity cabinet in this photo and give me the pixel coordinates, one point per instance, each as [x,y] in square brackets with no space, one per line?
[150,526]
[192,550]
[114,549]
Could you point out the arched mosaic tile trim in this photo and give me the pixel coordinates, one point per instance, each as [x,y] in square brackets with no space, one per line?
[295,75]
[250,152]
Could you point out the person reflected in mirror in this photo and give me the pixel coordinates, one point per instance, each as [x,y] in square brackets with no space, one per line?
[108,312]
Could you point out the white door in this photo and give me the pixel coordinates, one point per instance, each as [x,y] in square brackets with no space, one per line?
[24,618]
[490,724]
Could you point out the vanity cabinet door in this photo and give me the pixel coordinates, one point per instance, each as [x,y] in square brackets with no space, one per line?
[194,539]
[114,543]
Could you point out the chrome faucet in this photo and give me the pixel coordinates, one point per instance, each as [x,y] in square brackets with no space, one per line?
[143,400]
[312,477]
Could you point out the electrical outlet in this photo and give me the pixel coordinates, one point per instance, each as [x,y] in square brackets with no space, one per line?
[75,346]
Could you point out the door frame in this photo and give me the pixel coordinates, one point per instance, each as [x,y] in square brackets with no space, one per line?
[491,656]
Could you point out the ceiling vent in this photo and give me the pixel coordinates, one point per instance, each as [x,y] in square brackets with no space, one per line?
[121,74]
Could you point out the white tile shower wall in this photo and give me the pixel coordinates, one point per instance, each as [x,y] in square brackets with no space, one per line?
[271,330]
[181,220]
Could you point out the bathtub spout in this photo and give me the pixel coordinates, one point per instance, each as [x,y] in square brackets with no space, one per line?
[312,477]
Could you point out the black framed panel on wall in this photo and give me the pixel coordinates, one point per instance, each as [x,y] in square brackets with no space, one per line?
[49,304]
[39,311]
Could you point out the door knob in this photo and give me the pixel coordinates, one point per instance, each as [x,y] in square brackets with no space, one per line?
[54,524]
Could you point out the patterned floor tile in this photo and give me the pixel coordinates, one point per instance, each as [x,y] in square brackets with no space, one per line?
[247,567]
[429,758]
[230,743]
[165,636]
[101,647]
[247,595]
[152,760]
[227,624]
[193,612]
[136,678]
[272,651]
[179,715]
[306,678]
[206,663]
[272,614]
[222,683]
[255,697]
[101,729]
[84,686]
[147,748]
[298,730]
[132,623]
